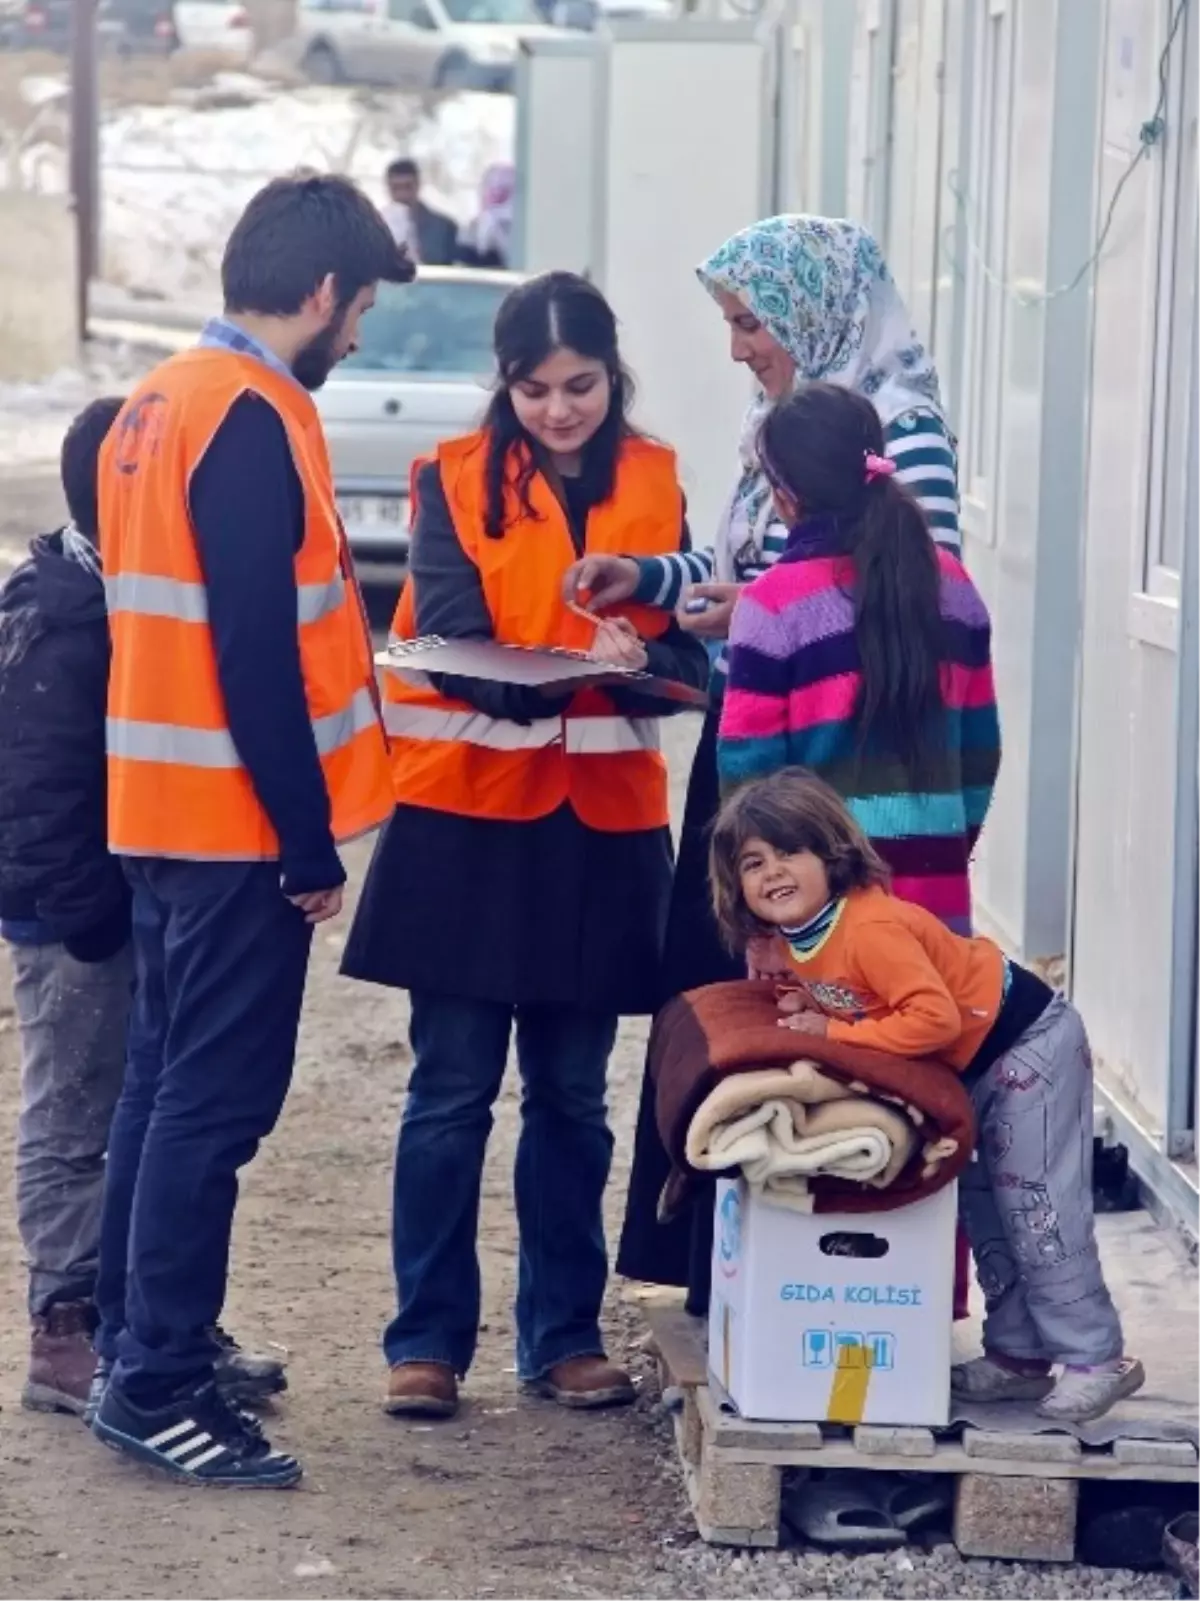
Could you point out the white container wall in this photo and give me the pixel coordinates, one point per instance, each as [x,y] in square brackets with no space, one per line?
[986,141]
[915,180]
[1024,75]
[556,154]
[674,181]
[1124,969]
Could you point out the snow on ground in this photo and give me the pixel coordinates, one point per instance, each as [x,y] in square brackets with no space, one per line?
[176,176]
[34,417]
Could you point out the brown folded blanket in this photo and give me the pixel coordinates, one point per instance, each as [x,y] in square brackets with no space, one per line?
[700,1038]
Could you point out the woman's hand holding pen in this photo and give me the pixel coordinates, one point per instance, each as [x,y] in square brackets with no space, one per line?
[617,641]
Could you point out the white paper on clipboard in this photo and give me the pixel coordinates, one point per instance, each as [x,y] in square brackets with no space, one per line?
[516,664]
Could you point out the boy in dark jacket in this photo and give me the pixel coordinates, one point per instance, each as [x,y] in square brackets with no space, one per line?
[65,914]
[64,911]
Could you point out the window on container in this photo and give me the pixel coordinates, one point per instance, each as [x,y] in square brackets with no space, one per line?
[987,209]
[1175,319]
[869,130]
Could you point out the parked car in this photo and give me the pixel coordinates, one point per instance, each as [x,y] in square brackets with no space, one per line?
[129,27]
[423,44]
[46,25]
[140,26]
[420,374]
[222,26]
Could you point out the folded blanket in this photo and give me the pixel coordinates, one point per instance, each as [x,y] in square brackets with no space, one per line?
[701,1039]
[784,1126]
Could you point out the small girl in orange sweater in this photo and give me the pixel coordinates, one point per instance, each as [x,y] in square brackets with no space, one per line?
[866,968]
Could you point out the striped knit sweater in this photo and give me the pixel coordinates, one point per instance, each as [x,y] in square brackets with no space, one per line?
[923,450]
[794,678]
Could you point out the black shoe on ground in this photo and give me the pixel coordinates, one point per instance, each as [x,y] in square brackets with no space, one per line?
[243,1376]
[198,1437]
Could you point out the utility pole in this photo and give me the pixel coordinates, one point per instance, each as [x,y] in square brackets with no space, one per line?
[85,152]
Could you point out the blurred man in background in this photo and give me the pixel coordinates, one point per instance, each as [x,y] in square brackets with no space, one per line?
[429,236]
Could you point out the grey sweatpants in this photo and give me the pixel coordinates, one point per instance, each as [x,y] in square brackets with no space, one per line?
[73,1018]
[1026,1200]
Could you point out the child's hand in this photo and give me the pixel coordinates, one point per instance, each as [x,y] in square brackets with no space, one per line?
[791,1001]
[767,957]
[807,1023]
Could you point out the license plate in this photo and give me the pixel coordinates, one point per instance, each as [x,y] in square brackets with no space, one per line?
[374,511]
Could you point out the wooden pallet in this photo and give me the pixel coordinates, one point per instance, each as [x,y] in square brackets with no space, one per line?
[1015,1496]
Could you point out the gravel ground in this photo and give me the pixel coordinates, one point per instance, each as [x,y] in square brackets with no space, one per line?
[701,1571]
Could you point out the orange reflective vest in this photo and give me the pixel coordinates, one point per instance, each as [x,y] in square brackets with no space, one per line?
[176,786]
[447,755]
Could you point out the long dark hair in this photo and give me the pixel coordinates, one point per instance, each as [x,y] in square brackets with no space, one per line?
[814,445]
[554,312]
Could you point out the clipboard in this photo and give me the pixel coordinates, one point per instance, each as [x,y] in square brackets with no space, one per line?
[547,668]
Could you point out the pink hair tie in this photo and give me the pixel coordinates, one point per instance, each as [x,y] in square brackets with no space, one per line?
[877,466]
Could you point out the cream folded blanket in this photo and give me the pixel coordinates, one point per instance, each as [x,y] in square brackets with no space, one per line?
[782,1126]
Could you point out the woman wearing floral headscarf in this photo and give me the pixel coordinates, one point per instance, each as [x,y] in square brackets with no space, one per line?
[805,298]
[487,240]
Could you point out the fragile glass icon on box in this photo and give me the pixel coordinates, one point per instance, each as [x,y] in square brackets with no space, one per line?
[818,1348]
[845,1348]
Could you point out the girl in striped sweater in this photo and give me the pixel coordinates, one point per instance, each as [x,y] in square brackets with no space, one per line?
[864,654]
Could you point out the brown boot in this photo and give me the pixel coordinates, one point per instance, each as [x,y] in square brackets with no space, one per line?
[585,1382]
[421,1390]
[61,1359]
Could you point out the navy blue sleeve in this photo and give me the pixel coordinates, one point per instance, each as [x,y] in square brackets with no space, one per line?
[674,654]
[247,509]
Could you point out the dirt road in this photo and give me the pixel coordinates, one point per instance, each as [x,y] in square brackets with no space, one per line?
[513,1498]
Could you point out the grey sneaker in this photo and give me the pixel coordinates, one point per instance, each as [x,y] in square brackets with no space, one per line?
[100,1378]
[243,1376]
[1081,1397]
[985,1380]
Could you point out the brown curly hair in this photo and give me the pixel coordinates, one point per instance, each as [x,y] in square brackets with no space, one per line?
[792,810]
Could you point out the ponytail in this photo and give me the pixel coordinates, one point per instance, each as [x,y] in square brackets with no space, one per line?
[823,446]
[899,631]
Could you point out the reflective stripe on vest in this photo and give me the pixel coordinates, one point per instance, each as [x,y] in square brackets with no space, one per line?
[213,747]
[579,736]
[151,596]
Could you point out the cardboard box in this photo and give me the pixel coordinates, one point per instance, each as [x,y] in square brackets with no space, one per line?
[799,1333]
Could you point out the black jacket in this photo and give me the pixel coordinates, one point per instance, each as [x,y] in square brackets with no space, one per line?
[437,237]
[55,868]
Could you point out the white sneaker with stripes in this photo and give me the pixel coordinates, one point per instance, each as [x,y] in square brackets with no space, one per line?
[197,1437]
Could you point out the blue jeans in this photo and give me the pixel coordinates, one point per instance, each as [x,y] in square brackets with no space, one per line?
[563,1158]
[221,962]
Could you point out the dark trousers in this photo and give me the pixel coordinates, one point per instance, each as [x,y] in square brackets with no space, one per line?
[563,1158]
[221,961]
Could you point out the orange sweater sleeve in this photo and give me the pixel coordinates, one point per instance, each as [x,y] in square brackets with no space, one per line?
[920,1016]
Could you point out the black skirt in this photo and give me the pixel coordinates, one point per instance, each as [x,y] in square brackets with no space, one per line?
[546,913]
[679,1252]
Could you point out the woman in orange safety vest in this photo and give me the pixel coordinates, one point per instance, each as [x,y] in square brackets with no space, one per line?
[525,873]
